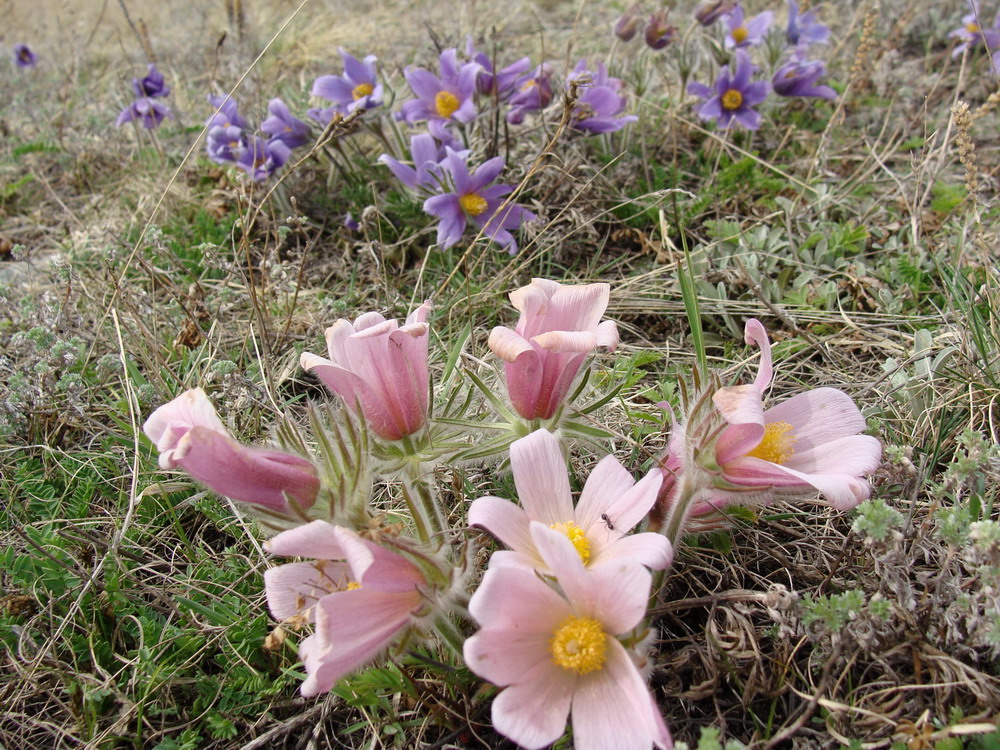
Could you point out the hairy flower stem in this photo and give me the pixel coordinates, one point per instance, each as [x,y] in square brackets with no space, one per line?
[421,499]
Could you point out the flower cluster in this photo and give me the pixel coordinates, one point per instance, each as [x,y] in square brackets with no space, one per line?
[735,95]
[231,140]
[147,107]
[561,610]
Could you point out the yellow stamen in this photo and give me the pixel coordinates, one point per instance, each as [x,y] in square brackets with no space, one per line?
[529,84]
[777,445]
[739,34]
[353,586]
[575,535]
[472,204]
[446,103]
[362,90]
[579,645]
[732,99]
[972,27]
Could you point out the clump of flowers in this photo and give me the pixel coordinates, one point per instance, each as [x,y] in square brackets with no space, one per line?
[600,102]
[147,107]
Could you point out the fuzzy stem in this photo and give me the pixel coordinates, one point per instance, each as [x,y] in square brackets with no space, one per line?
[450,635]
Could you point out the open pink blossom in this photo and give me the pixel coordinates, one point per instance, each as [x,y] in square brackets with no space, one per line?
[610,505]
[190,436]
[380,367]
[559,326]
[805,443]
[360,595]
[556,653]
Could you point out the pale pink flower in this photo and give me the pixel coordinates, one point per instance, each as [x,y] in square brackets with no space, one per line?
[556,653]
[360,595]
[381,367]
[610,505]
[806,443]
[189,435]
[559,326]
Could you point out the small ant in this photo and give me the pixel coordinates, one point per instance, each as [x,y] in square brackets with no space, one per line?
[607,522]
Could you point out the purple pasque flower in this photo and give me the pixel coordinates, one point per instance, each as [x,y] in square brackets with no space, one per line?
[152,85]
[358,88]
[226,113]
[500,84]
[743,33]
[148,111]
[972,33]
[709,12]
[425,175]
[445,97]
[734,96]
[798,78]
[284,126]
[532,92]
[24,57]
[627,25]
[260,158]
[225,143]
[599,102]
[474,199]
[659,33]
[804,29]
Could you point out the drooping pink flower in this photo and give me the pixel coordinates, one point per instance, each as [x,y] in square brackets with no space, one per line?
[806,443]
[360,595]
[555,652]
[381,367]
[189,435]
[559,326]
[610,505]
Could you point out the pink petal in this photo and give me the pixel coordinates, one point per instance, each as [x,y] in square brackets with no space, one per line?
[631,506]
[754,333]
[855,454]
[578,307]
[504,520]
[615,593]
[168,424]
[517,600]
[524,383]
[607,482]
[606,335]
[294,588]
[533,712]
[818,416]
[376,321]
[540,477]
[842,491]
[613,708]
[558,372]
[504,657]
[336,338]
[420,314]
[565,563]
[507,344]
[566,341]
[648,548]
[250,475]
[317,539]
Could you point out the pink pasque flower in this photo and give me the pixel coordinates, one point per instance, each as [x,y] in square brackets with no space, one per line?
[610,505]
[805,443]
[556,652]
[380,367]
[189,435]
[360,595]
[559,326]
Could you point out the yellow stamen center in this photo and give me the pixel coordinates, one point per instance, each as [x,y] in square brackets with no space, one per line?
[353,586]
[529,84]
[739,34]
[777,445]
[362,90]
[575,534]
[579,645]
[446,103]
[732,99]
[972,27]
[472,204]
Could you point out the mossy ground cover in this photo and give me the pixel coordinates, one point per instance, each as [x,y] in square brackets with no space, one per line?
[132,268]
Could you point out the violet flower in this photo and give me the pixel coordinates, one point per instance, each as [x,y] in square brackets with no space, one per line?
[734,96]
[260,158]
[533,92]
[804,29]
[708,13]
[152,85]
[501,84]
[798,78]
[659,33]
[743,33]
[973,34]
[24,57]
[284,126]
[448,97]
[627,26]
[225,144]
[358,88]
[226,113]
[599,102]
[475,200]
[147,110]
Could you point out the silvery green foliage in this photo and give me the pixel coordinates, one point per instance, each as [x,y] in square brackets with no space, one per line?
[877,521]
[913,379]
